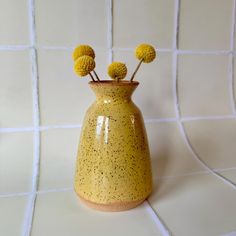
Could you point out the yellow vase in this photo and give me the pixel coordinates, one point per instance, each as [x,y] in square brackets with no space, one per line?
[113,170]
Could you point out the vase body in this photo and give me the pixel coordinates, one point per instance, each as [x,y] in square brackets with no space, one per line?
[113,169]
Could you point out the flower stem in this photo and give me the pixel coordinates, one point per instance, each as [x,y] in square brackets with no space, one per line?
[92,77]
[96,75]
[139,64]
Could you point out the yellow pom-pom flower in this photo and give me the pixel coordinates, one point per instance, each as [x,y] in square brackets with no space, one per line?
[83,50]
[84,65]
[117,70]
[145,52]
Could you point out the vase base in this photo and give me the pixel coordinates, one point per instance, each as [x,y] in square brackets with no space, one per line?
[112,207]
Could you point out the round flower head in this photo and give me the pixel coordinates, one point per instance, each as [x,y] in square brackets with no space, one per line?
[84,65]
[83,50]
[117,70]
[145,52]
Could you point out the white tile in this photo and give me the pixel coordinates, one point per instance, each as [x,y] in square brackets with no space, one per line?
[205,24]
[14,28]
[196,205]
[64,97]
[15,90]
[12,215]
[16,162]
[203,85]
[142,21]
[58,155]
[71,22]
[214,141]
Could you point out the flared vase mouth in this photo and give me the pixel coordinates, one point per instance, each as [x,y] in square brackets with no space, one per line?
[112,83]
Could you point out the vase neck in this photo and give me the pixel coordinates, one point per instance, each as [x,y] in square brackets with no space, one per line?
[109,91]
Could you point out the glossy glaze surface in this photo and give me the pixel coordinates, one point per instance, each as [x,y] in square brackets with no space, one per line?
[113,163]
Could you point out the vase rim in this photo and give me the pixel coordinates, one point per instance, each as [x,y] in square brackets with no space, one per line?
[114,83]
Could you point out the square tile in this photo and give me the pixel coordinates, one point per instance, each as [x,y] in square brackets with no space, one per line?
[154,96]
[12,215]
[58,155]
[203,85]
[141,21]
[214,141]
[64,97]
[72,22]
[15,90]
[205,24]
[62,214]
[16,162]
[193,205]
[170,155]
[14,28]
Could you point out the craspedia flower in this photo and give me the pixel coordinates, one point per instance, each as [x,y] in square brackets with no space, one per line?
[83,50]
[84,65]
[145,52]
[117,70]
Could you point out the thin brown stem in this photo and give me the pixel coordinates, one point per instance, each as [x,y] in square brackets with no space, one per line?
[133,75]
[96,75]
[92,77]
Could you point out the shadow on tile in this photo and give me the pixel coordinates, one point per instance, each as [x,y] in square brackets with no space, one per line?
[161,190]
[161,165]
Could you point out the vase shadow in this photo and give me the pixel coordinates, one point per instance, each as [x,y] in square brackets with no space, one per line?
[160,164]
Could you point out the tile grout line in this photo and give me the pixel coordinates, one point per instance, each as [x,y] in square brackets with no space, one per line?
[36,119]
[177,108]
[20,194]
[3,195]
[160,224]
[111,48]
[201,172]
[232,57]
[147,121]
[216,117]
[14,47]
[110,31]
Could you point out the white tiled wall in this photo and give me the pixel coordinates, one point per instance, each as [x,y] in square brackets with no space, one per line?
[187,97]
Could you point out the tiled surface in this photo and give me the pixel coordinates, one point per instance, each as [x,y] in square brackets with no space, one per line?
[72,22]
[144,23]
[14,22]
[170,155]
[59,87]
[197,204]
[203,85]
[205,24]
[229,174]
[15,89]
[58,155]
[154,95]
[16,162]
[62,214]
[12,214]
[214,141]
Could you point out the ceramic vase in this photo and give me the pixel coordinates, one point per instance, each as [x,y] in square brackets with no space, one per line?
[113,169]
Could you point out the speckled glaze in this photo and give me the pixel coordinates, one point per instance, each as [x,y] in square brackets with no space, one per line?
[113,170]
